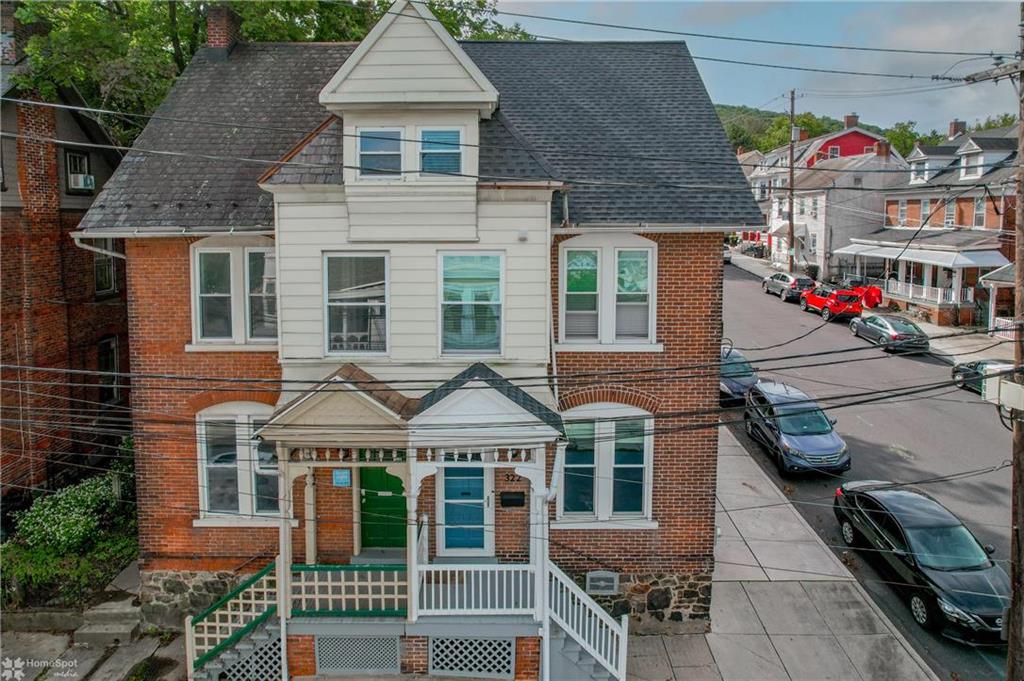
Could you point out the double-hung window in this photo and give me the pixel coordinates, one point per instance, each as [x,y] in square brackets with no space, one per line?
[926,208]
[380,152]
[357,302]
[979,211]
[103,268]
[261,287]
[106,364]
[234,294]
[833,151]
[471,302]
[608,463]
[801,206]
[949,212]
[238,473]
[214,290]
[441,152]
[970,165]
[633,295]
[901,212]
[814,208]
[582,283]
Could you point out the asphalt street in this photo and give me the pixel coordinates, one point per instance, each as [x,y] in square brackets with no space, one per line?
[905,439]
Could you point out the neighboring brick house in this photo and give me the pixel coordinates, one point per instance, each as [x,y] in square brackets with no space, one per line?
[963,190]
[62,307]
[380,314]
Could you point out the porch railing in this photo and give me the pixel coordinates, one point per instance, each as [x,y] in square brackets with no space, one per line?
[228,620]
[349,591]
[476,589]
[1005,328]
[587,623]
[933,294]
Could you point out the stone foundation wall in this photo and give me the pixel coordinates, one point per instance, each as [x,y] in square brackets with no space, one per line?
[169,596]
[662,603]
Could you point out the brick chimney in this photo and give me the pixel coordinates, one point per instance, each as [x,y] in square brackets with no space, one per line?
[223,28]
[803,134]
[957,128]
[850,121]
[882,148]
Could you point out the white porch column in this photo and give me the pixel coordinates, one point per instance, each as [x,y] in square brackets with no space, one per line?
[958,278]
[412,576]
[902,270]
[284,560]
[928,282]
[310,514]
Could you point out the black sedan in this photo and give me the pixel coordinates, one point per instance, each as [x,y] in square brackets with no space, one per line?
[971,375]
[735,375]
[946,575]
[891,332]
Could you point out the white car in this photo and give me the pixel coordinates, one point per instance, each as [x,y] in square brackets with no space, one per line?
[726,254]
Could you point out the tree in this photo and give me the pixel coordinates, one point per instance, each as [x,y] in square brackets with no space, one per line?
[125,54]
[777,132]
[1004,120]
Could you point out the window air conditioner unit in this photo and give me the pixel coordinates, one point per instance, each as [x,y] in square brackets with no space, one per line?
[602,583]
[947,223]
[81,181]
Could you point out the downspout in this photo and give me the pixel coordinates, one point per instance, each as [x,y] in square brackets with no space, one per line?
[97,249]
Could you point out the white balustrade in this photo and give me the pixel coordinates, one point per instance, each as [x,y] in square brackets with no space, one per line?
[934,294]
[1005,328]
[587,623]
[319,590]
[476,589]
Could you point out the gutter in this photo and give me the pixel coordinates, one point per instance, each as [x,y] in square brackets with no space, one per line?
[96,249]
[260,230]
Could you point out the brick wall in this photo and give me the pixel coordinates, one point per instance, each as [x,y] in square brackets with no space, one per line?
[414,654]
[527,658]
[223,26]
[301,656]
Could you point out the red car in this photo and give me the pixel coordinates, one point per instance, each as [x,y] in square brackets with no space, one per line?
[831,302]
[870,295]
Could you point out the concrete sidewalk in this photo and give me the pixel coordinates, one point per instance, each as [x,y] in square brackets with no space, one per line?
[951,349]
[783,607]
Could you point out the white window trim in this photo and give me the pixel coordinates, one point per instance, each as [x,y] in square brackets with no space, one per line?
[239,340]
[901,212]
[948,212]
[107,262]
[246,294]
[971,170]
[243,414]
[604,459]
[979,201]
[402,154]
[387,303]
[433,177]
[838,151]
[608,247]
[440,306]
[923,204]
[489,526]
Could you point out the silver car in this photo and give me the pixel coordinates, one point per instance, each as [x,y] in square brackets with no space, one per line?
[786,286]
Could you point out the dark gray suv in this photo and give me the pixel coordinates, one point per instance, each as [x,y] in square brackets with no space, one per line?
[786,286]
[794,430]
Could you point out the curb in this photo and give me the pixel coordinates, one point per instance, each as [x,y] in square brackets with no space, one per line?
[896,633]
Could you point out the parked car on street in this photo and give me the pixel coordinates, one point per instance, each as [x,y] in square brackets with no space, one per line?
[786,286]
[794,430]
[830,302]
[870,295]
[891,332]
[971,375]
[735,375]
[726,254]
[943,571]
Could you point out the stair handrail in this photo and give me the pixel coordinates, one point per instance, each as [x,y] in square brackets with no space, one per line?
[242,586]
[234,638]
[614,657]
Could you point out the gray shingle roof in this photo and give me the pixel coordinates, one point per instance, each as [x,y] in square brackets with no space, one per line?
[967,239]
[608,100]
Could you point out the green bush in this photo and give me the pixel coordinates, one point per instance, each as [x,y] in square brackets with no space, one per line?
[68,520]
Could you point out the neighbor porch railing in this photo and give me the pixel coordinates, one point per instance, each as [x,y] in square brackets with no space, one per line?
[349,591]
[932,294]
[1005,328]
[477,589]
[587,623]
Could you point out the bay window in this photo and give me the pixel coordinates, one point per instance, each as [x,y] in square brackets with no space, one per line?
[471,302]
[608,464]
[357,302]
[237,472]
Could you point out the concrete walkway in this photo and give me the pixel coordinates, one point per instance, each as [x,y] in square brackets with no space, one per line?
[952,349]
[783,607]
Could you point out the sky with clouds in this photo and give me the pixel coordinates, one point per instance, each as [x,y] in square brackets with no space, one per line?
[951,26]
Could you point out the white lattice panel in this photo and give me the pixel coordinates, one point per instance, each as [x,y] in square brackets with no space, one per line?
[243,608]
[349,590]
[348,655]
[263,664]
[478,657]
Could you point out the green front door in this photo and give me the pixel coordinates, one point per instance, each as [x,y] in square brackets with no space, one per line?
[382,509]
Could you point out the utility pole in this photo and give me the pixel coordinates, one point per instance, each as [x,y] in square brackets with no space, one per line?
[1015,615]
[792,142]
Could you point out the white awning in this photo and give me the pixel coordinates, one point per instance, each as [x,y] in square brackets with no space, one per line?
[782,229]
[951,259]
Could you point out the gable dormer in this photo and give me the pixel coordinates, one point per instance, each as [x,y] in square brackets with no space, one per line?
[409,61]
[972,160]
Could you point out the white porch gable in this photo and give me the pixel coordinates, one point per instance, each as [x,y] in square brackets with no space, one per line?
[477,414]
[409,59]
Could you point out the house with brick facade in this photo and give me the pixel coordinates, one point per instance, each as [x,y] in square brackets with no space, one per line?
[945,226]
[421,310]
[61,307]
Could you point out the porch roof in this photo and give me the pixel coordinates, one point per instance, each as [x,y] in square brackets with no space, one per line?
[951,259]
[1004,276]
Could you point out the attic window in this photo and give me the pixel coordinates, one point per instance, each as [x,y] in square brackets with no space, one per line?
[970,165]
[833,151]
[380,153]
[441,152]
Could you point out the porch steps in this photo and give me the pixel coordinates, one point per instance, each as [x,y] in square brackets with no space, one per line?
[257,657]
[111,623]
[585,666]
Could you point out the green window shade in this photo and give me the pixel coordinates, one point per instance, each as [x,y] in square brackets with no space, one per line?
[581,295]
[628,467]
[579,469]
[471,304]
[441,152]
[632,296]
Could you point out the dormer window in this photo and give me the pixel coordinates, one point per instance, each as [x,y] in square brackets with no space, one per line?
[970,165]
[918,171]
[380,152]
[441,152]
[833,151]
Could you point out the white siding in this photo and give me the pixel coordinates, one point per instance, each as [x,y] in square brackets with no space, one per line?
[305,231]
